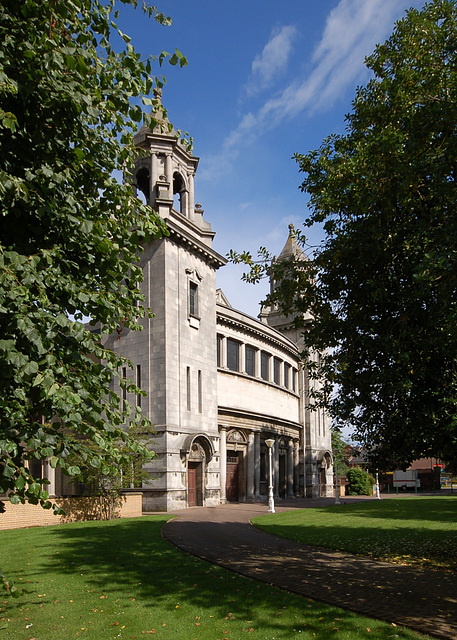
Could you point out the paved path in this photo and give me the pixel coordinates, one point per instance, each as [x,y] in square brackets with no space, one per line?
[414,597]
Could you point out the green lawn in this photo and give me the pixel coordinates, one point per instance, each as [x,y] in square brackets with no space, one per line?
[121,579]
[420,530]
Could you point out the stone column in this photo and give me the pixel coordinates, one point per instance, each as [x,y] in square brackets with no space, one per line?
[224,352]
[191,213]
[250,470]
[242,358]
[290,469]
[169,174]
[257,363]
[257,467]
[297,468]
[154,176]
[223,460]
[185,204]
[276,468]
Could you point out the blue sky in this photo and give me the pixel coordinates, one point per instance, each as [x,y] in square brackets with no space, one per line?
[265,79]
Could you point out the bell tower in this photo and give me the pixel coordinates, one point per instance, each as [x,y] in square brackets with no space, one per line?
[164,174]
[318,469]
[174,357]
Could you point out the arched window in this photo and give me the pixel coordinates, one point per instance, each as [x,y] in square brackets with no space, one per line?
[178,192]
[143,185]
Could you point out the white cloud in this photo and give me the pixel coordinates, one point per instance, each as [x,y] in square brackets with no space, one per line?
[269,64]
[352,30]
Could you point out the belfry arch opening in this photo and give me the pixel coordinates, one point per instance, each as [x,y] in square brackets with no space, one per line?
[179,189]
[143,185]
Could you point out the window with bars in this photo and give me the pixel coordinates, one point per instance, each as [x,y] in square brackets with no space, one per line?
[265,365]
[277,370]
[287,369]
[193,299]
[249,356]
[233,355]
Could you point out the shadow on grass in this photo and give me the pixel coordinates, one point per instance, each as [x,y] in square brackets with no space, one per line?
[416,531]
[405,595]
[421,531]
[131,558]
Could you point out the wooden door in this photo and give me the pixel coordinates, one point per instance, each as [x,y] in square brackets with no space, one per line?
[232,479]
[192,484]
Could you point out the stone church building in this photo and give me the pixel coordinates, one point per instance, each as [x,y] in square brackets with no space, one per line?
[218,382]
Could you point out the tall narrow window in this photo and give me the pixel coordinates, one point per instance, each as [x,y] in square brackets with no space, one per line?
[294,379]
[200,392]
[138,384]
[193,299]
[178,190]
[124,389]
[287,369]
[277,370]
[233,355]
[36,468]
[265,365]
[188,389]
[250,360]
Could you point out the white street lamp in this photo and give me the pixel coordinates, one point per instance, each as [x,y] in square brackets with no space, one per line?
[271,501]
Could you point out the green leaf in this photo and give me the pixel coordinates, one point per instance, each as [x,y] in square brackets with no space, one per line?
[73,470]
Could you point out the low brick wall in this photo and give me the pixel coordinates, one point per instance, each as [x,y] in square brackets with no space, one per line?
[18,516]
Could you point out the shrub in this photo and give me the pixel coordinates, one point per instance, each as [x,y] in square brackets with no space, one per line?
[360,482]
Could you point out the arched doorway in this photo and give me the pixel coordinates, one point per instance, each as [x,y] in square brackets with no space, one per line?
[195,475]
[235,486]
[324,466]
[197,452]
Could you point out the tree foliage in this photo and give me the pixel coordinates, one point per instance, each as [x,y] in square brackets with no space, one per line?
[340,452]
[107,482]
[383,286]
[70,233]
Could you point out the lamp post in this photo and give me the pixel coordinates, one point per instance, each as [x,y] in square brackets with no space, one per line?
[337,488]
[271,501]
[378,493]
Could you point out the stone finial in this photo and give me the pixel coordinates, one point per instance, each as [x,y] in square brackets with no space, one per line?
[157,91]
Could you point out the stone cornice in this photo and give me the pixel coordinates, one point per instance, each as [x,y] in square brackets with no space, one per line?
[239,320]
[267,423]
[188,238]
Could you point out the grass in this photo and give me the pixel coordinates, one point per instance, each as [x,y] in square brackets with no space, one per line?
[121,579]
[420,531]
